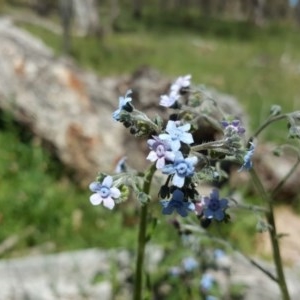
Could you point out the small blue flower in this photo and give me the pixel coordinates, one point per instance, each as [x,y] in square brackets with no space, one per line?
[207,281]
[214,207]
[247,165]
[181,82]
[160,152]
[219,254]
[104,192]
[176,134]
[124,103]
[190,264]
[177,203]
[169,100]
[181,168]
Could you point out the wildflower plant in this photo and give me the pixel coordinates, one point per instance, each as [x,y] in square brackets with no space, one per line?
[184,162]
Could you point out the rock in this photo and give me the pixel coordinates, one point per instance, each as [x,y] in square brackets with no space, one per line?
[70,109]
[87,274]
[66,107]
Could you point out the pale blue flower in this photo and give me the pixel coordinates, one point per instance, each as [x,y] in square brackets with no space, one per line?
[104,192]
[169,100]
[124,103]
[181,82]
[190,264]
[160,152]
[176,134]
[207,281]
[177,203]
[181,168]
[214,207]
[247,165]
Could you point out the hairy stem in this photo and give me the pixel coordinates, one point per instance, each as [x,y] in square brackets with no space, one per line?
[268,122]
[273,236]
[142,238]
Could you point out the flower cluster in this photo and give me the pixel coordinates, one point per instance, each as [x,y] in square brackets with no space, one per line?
[180,86]
[173,151]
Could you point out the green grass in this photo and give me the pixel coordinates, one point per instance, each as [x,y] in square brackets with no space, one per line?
[244,62]
[259,71]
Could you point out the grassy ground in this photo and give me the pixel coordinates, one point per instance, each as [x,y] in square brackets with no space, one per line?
[259,67]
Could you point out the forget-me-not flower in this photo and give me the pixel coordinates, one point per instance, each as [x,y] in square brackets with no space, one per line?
[160,152]
[181,168]
[181,83]
[176,134]
[169,100]
[104,192]
[247,165]
[177,203]
[207,281]
[190,264]
[214,207]
[124,103]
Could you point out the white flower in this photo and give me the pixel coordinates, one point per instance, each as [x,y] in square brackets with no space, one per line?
[104,192]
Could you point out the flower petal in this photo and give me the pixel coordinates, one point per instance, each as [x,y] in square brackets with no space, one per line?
[214,194]
[109,203]
[208,213]
[178,181]
[115,192]
[96,199]
[182,211]
[192,160]
[95,186]
[175,145]
[107,181]
[171,126]
[223,203]
[160,163]
[219,215]
[187,138]
[152,156]
[185,127]
[168,169]
[165,137]
[168,210]
[170,155]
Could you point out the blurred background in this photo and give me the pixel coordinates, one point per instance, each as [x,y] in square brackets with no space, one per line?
[245,48]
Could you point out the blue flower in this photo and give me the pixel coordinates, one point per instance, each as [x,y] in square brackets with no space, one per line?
[190,264]
[104,192]
[176,134]
[247,165]
[160,152]
[181,82]
[124,103]
[214,207]
[207,281]
[181,168]
[169,100]
[177,203]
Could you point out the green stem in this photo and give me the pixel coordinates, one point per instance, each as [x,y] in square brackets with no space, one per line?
[142,237]
[267,123]
[208,145]
[273,236]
